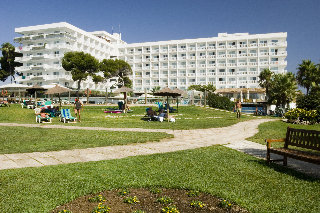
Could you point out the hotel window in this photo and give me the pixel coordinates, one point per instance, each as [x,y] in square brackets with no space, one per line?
[56,62]
[39,64]
[253,69]
[39,54]
[56,42]
[274,59]
[29,64]
[56,52]
[55,73]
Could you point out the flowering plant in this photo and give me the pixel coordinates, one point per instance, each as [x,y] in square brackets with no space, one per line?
[101,208]
[164,200]
[98,198]
[197,204]
[225,204]
[124,192]
[131,200]
[170,209]
[193,193]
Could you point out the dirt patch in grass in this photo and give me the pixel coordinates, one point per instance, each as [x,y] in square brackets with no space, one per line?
[150,201]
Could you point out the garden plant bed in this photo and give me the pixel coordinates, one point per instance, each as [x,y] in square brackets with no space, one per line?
[148,201]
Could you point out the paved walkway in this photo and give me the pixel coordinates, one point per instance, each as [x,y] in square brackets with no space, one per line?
[233,137]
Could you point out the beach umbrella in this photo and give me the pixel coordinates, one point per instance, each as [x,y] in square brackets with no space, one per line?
[167,92]
[124,90]
[34,89]
[57,90]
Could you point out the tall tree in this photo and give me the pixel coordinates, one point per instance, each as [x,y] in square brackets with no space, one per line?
[306,75]
[81,66]
[117,68]
[7,62]
[283,89]
[265,79]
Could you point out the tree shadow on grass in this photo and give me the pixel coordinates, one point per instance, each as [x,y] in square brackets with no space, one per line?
[287,170]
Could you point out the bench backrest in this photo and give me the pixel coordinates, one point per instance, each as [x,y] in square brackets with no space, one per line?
[309,139]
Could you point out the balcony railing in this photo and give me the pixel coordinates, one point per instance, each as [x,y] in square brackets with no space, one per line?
[252,63]
[211,47]
[191,74]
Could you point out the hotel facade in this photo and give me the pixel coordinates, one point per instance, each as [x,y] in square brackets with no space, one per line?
[226,61]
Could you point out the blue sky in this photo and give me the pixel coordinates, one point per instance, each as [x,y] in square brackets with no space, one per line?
[156,20]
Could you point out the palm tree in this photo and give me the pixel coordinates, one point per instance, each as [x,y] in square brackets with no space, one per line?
[265,79]
[306,75]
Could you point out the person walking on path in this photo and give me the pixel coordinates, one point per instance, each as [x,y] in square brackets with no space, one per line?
[238,108]
[77,108]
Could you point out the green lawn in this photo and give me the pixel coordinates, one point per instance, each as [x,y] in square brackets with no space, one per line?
[277,129]
[26,139]
[188,117]
[217,170]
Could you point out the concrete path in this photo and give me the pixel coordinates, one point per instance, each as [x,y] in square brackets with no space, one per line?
[233,137]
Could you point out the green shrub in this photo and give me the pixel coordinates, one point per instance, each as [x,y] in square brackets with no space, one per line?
[220,102]
[309,102]
[302,115]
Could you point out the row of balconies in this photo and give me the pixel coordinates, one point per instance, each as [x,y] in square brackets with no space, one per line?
[38,57]
[262,63]
[43,77]
[194,83]
[38,67]
[254,73]
[282,53]
[271,44]
[44,36]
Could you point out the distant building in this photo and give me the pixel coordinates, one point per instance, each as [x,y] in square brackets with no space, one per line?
[226,61]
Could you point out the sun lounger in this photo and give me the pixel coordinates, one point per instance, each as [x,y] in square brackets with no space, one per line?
[66,116]
[43,118]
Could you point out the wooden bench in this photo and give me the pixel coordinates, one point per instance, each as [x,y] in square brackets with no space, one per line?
[307,139]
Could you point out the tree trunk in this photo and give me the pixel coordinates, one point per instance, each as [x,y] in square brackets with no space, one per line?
[77,94]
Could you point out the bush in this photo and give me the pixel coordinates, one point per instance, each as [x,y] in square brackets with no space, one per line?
[309,102]
[301,115]
[220,102]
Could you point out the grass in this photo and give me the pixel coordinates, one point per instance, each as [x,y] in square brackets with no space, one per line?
[31,139]
[188,117]
[216,170]
[277,129]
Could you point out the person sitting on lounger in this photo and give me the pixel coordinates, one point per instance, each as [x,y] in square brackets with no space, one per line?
[152,114]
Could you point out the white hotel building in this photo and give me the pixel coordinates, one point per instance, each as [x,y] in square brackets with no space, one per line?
[226,61]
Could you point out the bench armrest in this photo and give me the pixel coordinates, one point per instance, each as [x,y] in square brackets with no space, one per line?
[269,141]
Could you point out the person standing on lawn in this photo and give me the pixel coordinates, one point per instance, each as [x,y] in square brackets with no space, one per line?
[77,108]
[238,108]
